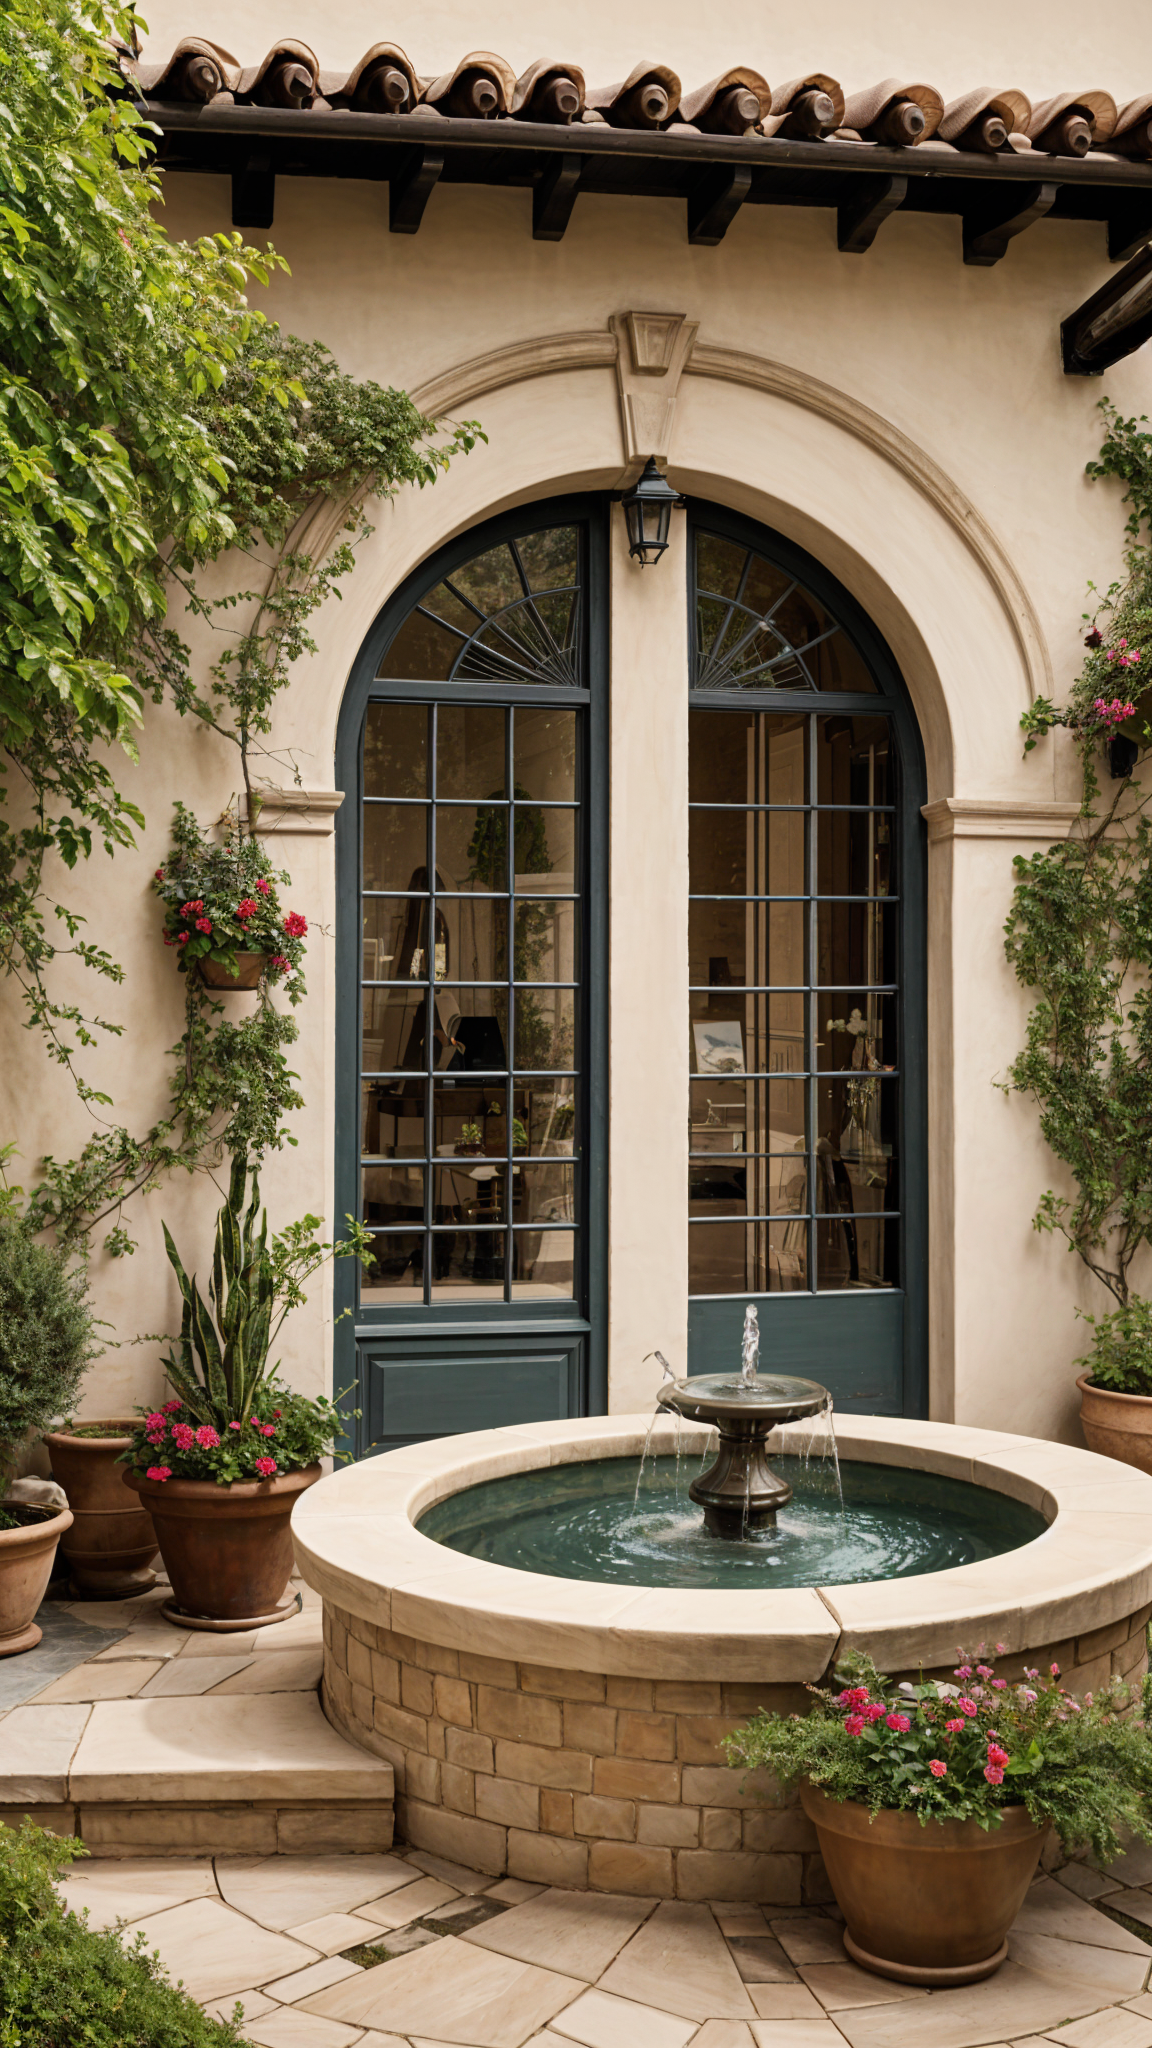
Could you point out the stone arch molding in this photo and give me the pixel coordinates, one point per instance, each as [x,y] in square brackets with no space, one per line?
[649,352]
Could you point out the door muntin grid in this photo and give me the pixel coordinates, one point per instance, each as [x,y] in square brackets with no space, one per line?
[473,970]
[795,1125]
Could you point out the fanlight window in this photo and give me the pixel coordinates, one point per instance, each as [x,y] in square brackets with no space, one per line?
[511,615]
[758,628]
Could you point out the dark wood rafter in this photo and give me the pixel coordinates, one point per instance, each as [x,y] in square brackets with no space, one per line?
[860,217]
[254,191]
[715,201]
[554,197]
[536,156]
[1112,324]
[989,229]
[410,187]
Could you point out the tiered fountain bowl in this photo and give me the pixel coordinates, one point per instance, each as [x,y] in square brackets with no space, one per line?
[740,1493]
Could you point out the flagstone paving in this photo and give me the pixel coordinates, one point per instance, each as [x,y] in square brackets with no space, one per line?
[408,1950]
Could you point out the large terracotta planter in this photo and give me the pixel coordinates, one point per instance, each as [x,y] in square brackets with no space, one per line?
[1117,1425]
[227,1549]
[26,1558]
[249,968]
[111,1543]
[925,1905]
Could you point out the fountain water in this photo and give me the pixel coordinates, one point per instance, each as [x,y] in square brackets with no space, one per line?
[740,1492]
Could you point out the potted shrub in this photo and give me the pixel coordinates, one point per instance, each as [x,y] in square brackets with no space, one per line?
[1116,1387]
[46,1343]
[932,1802]
[220,1466]
[111,1544]
[223,916]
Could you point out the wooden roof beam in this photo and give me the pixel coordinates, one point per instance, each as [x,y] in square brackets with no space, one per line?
[988,229]
[860,217]
[1129,225]
[410,188]
[1112,324]
[254,190]
[554,197]
[714,202]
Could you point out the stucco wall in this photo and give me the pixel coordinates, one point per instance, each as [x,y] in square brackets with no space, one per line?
[948,419]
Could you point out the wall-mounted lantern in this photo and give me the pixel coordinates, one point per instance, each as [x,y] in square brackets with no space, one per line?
[648,509]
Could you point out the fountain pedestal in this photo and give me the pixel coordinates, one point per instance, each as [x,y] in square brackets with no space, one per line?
[740,1492]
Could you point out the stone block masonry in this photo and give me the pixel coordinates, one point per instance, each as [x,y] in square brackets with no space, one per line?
[602,1783]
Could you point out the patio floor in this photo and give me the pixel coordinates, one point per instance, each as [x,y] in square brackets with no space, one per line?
[376,1950]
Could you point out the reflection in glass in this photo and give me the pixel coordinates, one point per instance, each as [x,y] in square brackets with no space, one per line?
[472,938]
[545,1115]
[545,846]
[855,944]
[546,940]
[856,1155]
[467,1264]
[864,1252]
[545,1027]
[470,1119]
[756,1034]
[392,1195]
[470,1191]
[470,751]
[854,761]
[397,1269]
[472,846]
[747,945]
[543,1265]
[395,846]
[748,1258]
[746,853]
[392,1118]
[423,651]
[747,757]
[544,753]
[545,1194]
[396,750]
[758,628]
[853,853]
[855,1029]
[747,1116]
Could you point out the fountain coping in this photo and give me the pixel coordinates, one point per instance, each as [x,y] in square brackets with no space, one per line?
[357,1545]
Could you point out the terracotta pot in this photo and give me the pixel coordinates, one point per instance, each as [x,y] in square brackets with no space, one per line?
[111,1543]
[227,1549]
[249,968]
[926,1905]
[26,1559]
[1117,1425]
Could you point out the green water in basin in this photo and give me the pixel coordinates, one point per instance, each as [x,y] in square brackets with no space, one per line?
[589,1521]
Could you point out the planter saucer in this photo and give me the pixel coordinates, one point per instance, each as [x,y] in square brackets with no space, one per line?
[912,1973]
[180,1618]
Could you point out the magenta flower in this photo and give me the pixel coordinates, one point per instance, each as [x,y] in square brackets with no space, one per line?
[235,1425]
[955,1727]
[983,1671]
[967,1706]
[155,1421]
[874,1711]
[172,1407]
[938,1769]
[999,1685]
[183,1435]
[1055,1670]
[262,885]
[267,1466]
[997,1756]
[899,1722]
[159,1472]
[962,1671]
[994,1775]
[207,1438]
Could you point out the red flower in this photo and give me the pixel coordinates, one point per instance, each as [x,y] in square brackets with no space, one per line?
[266,1467]
[994,1776]
[996,1755]
[854,1725]
[190,909]
[279,963]
[154,1421]
[159,1472]
[1095,638]
[938,1769]
[206,1437]
[874,1712]
[168,941]
[203,924]
[899,1722]
[235,1425]
[183,1435]
[954,1727]
[295,925]
[248,908]
[172,1407]
[967,1706]
[265,1429]
[182,938]
[264,887]
[159,875]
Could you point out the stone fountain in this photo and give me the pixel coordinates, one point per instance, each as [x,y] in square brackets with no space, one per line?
[740,1493]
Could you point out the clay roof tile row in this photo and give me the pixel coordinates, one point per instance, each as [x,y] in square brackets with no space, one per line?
[739,102]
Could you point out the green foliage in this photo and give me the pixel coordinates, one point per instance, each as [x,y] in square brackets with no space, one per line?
[229,886]
[284,1432]
[1079,932]
[220,1361]
[1085,1765]
[1121,1354]
[63,1985]
[47,1335]
[150,421]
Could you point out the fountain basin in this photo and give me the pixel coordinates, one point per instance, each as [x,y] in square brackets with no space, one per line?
[567,1731]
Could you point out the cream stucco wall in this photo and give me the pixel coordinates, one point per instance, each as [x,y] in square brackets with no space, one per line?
[901,416]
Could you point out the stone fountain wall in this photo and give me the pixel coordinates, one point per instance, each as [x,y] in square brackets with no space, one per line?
[582,1779]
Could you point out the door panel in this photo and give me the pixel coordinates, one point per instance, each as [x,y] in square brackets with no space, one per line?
[444,1385]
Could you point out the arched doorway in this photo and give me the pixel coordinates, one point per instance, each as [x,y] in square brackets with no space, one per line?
[807,1118]
[471,1036]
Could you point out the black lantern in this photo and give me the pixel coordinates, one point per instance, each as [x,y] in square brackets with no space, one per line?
[648,510]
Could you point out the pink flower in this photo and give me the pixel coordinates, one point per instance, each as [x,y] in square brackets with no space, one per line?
[154,1441]
[203,924]
[207,1438]
[874,1711]
[266,1428]
[172,1407]
[182,938]
[267,1466]
[159,1472]
[1055,1670]
[183,1435]
[997,1756]
[962,1671]
[856,1696]
[263,886]
[295,925]
[154,1421]
[983,1671]
[938,1769]
[279,964]
[993,1775]
[955,1727]
[1001,1649]
[999,1685]
[899,1722]
[235,1425]
[967,1706]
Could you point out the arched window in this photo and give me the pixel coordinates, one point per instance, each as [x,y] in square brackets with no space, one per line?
[471,857]
[806,1121]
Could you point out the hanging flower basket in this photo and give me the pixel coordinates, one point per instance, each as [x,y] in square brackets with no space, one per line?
[223,916]
[250,969]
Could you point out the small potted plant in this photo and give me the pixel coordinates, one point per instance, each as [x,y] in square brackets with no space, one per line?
[223,916]
[221,1465]
[931,1802]
[47,1341]
[1116,1385]
[111,1544]
[468,1144]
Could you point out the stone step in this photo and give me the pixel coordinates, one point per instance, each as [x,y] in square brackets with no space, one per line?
[226,1774]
